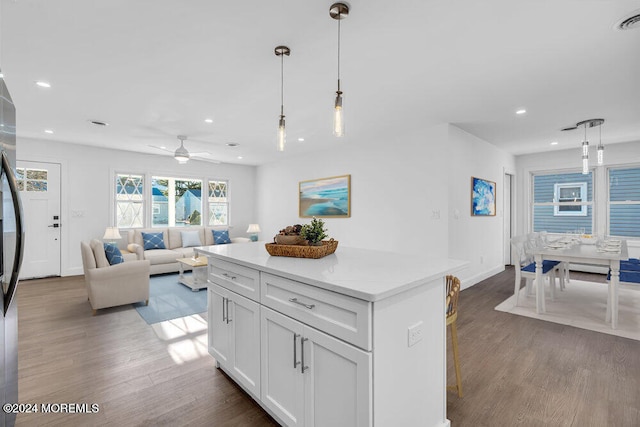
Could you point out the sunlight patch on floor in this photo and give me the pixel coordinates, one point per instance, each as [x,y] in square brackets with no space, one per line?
[186,337]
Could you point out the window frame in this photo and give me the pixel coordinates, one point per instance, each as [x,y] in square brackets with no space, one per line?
[589,203]
[147,205]
[558,204]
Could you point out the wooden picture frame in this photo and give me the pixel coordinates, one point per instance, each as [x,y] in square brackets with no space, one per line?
[483,197]
[325,197]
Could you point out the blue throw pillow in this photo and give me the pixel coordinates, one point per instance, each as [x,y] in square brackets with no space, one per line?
[221,237]
[153,241]
[114,256]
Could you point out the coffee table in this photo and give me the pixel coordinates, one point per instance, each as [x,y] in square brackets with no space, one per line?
[198,280]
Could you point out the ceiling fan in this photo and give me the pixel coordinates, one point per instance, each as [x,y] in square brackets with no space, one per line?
[182,155]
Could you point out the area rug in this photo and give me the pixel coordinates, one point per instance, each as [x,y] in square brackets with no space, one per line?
[169,299]
[583,305]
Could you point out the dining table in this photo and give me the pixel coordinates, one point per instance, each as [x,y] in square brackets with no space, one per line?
[583,251]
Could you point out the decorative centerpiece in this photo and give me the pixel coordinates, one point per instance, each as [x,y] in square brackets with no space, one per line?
[303,241]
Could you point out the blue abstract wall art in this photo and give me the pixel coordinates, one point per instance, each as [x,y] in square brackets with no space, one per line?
[483,197]
[326,197]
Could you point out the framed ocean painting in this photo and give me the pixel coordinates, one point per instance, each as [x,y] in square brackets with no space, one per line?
[325,197]
[483,197]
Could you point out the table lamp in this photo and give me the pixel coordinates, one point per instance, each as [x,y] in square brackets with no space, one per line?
[253,231]
[111,234]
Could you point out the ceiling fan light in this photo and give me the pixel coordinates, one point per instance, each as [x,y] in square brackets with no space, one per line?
[182,155]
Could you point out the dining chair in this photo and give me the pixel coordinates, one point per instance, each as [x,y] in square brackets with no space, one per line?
[562,269]
[629,275]
[522,252]
[452,294]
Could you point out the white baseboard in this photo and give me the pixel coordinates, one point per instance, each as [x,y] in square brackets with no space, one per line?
[74,271]
[470,281]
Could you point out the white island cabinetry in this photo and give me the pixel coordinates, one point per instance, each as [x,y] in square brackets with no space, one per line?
[356,338]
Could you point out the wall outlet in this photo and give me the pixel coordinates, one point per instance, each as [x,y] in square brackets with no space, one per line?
[415,334]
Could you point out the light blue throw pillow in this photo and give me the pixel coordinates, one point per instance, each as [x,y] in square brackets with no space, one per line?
[190,239]
[153,241]
[221,237]
[114,256]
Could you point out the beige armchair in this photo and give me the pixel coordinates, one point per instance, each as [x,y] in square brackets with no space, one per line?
[113,285]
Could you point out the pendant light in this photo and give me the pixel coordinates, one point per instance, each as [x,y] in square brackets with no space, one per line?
[338,11]
[600,147]
[585,144]
[585,152]
[281,51]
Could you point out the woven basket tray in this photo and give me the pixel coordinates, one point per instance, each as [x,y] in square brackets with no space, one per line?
[297,251]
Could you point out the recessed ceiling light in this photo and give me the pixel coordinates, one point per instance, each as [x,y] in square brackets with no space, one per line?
[240,157]
[521,111]
[42,83]
[300,139]
[48,131]
[162,147]
[554,143]
[208,120]
[232,144]
[1,76]
[98,123]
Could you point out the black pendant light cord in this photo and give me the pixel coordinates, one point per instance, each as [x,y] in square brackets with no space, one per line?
[339,19]
[282,85]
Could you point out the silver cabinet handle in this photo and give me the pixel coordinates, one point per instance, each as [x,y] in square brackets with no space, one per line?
[228,319]
[224,317]
[228,276]
[302,367]
[295,350]
[295,301]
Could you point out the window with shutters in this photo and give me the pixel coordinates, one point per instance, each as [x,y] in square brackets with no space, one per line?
[624,202]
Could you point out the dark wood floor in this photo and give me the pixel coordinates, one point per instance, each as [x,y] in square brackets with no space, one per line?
[522,371]
[516,370]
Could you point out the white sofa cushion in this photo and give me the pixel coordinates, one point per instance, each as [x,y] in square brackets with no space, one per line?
[175,236]
[184,252]
[98,252]
[162,256]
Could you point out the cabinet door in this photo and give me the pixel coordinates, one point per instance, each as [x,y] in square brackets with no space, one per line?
[244,323]
[282,379]
[218,327]
[338,386]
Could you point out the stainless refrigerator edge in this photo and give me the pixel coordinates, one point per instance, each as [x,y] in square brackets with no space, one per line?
[11,250]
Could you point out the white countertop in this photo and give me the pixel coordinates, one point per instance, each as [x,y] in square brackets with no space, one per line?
[361,273]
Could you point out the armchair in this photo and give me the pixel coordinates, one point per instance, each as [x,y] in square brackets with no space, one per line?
[113,285]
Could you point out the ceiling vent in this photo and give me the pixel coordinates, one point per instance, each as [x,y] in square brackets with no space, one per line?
[630,22]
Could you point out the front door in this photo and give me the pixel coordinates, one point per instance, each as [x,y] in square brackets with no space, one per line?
[39,185]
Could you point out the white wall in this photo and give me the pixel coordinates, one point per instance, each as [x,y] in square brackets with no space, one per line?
[622,154]
[86,188]
[401,197]
[478,239]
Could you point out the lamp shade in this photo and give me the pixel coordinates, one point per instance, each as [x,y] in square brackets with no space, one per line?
[253,228]
[112,233]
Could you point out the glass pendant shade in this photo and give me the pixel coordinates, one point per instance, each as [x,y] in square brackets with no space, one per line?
[585,148]
[585,165]
[600,154]
[281,51]
[281,135]
[338,118]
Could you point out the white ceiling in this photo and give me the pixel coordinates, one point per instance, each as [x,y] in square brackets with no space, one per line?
[154,69]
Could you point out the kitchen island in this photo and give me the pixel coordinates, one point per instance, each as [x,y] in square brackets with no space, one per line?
[356,338]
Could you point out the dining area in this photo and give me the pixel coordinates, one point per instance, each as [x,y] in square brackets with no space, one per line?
[544,261]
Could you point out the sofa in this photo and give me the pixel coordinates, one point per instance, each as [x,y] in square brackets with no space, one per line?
[113,285]
[164,260]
